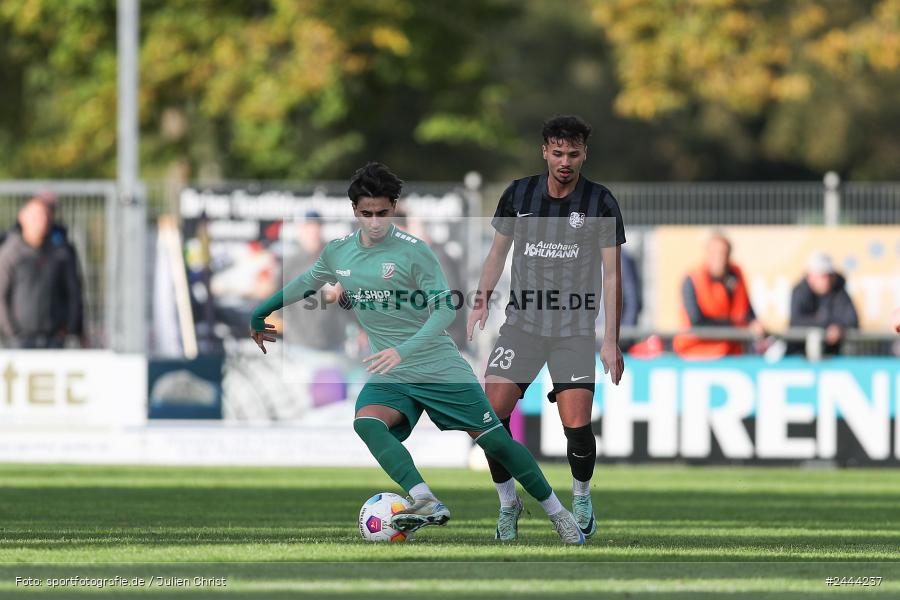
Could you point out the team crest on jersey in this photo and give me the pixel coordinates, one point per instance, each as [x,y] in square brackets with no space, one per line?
[388,270]
[576,219]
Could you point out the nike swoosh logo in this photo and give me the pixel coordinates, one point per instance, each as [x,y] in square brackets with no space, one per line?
[518,214]
[579,456]
[573,378]
[587,529]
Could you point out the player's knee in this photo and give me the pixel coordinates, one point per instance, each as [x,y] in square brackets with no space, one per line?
[365,427]
[360,427]
[581,439]
[496,443]
[503,396]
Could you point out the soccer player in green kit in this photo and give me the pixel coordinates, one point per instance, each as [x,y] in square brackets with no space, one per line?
[402,300]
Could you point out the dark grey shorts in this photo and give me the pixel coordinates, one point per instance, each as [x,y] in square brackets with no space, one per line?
[519,356]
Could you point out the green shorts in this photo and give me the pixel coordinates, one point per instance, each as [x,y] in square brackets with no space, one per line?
[456,406]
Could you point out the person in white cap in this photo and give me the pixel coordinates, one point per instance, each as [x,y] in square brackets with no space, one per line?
[820,299]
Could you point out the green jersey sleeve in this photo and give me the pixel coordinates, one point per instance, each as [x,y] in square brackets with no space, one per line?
[429,276]
[299,288]
[430,279]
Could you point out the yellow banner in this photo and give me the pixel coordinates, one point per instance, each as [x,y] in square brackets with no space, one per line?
[774,260]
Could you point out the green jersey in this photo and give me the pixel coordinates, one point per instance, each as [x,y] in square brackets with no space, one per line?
[399,294]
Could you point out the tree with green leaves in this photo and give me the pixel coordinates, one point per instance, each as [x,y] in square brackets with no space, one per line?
[308,89]
[808,82]
[268,89]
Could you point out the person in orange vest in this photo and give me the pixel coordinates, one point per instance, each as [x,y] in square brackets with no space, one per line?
[715,294]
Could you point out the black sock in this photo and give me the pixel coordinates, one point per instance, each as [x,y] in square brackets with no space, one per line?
[498,472]
[581,451]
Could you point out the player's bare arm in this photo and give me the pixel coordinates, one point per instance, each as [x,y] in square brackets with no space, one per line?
[610,354]
[261,337]
[490,275]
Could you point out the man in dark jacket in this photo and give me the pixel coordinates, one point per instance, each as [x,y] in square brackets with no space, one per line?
[40,290]
[57,233]
[821,300]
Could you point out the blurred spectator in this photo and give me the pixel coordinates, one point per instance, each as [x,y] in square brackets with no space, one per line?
[632,304]
[58,235]
[632,296]
[40,289]
[821,300]
[715,295]
[322,328]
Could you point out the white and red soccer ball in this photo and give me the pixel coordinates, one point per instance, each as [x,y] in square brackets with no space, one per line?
[375,518]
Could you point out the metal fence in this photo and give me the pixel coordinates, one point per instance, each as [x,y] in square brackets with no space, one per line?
[648,204]
[750,203]
[870,203]
[855,343]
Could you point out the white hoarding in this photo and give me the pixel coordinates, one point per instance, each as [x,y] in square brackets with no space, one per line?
[74,389]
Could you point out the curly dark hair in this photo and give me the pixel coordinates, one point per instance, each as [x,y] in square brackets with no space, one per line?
[374,180]
[566,127]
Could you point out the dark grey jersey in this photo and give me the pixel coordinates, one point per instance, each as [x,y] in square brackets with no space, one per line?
[556,266]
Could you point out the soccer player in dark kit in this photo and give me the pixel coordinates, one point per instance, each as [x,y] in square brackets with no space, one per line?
[562,228]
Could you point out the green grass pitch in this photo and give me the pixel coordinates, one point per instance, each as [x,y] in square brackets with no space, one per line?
[664,532]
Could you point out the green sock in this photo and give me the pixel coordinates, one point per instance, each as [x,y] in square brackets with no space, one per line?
[388,451]
[500,446]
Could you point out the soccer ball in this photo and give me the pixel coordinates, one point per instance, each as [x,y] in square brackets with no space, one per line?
[375,518]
